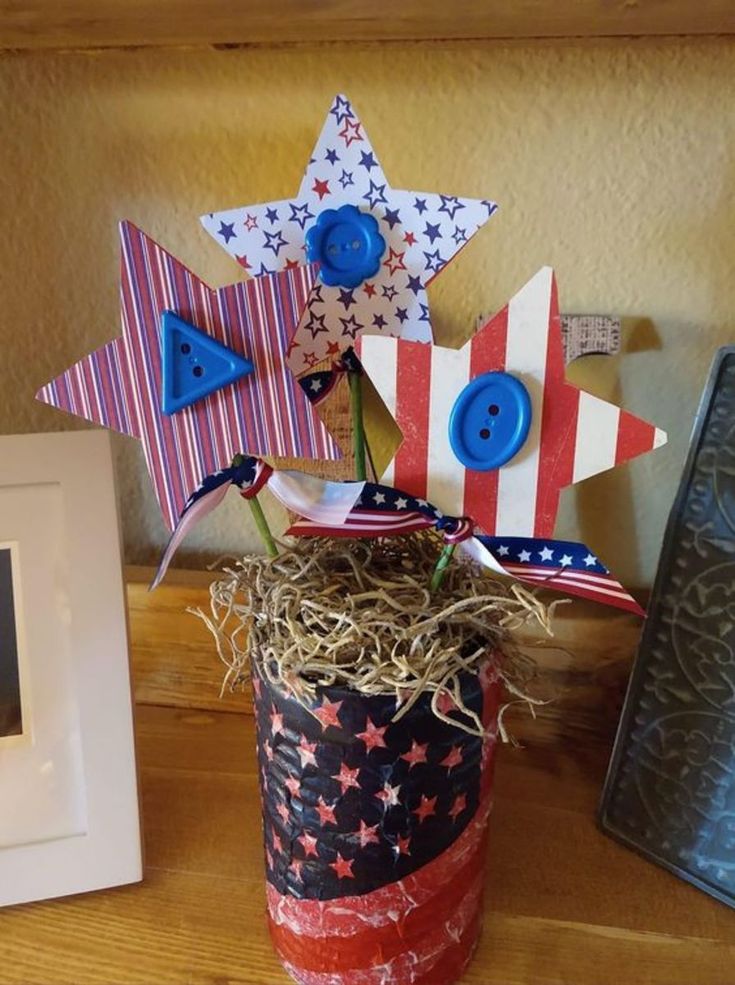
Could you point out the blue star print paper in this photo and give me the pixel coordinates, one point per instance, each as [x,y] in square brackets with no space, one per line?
[373,280]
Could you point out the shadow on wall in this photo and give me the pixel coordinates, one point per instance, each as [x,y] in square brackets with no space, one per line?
[605,502]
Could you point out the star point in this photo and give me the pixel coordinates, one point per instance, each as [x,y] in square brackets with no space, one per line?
[373,736]
[343,867]
[325,812]
[389,795]
[328,713]
[426,808]
[416,754]
[347,777]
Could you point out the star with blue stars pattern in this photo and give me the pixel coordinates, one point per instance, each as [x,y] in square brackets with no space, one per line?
[418,230]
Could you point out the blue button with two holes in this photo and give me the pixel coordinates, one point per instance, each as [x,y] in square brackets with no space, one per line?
[347,244]
[490,420]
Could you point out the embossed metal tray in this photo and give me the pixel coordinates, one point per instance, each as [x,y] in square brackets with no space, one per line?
[670,787]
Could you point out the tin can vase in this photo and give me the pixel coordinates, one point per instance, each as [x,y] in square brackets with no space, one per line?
[375,832]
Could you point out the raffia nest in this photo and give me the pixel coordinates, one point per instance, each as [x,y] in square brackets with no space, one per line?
[360,614]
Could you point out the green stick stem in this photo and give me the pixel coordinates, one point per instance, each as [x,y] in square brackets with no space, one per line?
[358,427]
[263,529]
[441,566]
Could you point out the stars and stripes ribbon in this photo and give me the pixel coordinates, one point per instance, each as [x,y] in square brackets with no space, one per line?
[307,495]
[317,386]
[561,565]
[564,566]
[573,435]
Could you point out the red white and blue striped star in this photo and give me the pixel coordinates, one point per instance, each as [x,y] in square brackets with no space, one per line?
[120,385]
[573,435]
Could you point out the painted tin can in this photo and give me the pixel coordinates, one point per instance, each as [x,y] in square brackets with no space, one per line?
[375,832]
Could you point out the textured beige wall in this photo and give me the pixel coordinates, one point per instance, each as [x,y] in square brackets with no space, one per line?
[612,161]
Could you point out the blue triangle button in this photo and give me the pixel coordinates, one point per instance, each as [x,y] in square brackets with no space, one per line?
[194,364]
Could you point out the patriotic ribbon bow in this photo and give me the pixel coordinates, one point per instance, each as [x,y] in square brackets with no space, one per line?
[344,216]
[323,502]
[382,511]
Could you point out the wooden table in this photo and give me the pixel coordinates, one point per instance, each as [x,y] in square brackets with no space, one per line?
[564,904]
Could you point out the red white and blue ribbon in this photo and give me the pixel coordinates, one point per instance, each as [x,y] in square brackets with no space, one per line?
[317,386]
[325,502]
[564,566]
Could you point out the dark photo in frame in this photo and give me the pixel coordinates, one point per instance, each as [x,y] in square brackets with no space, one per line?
[11,719]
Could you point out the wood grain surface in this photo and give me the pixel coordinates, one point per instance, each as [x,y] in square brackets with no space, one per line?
[564,904]
[39,24]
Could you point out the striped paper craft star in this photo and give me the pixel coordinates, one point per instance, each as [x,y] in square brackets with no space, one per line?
[573,435]
[422,233]
[120,385]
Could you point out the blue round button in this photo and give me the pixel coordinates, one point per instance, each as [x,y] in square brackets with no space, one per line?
[490,421]
[347,244]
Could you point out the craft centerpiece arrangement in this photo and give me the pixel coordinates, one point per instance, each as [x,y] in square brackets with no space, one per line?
[377,659]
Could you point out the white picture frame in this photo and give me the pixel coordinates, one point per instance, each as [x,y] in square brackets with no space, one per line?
[69,812]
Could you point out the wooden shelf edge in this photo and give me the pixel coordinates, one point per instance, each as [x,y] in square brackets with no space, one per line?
[83,24]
